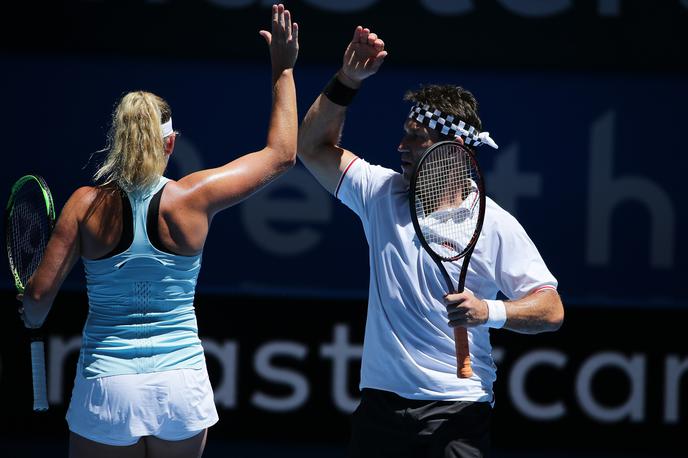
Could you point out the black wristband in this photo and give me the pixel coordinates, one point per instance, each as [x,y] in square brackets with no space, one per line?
[338,92]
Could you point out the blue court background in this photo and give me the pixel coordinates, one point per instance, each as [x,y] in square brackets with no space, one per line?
[592,166]
[586,100]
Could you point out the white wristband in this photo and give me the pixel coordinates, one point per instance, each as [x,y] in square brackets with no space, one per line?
[496,314]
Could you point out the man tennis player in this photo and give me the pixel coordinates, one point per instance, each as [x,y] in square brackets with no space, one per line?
[413,404]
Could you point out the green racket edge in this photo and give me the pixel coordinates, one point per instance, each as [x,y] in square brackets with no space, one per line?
[49,208]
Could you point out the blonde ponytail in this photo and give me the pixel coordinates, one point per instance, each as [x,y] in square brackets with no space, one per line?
[135,158]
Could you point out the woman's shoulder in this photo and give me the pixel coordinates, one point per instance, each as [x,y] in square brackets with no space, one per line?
[85,200]
[89,194]
[85,193]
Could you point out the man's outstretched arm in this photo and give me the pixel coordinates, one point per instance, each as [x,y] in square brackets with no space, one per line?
[321,128]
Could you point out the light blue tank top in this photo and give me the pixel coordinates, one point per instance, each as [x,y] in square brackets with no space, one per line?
[141,316]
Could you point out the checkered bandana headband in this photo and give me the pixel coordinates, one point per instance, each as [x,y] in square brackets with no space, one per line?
[445,125]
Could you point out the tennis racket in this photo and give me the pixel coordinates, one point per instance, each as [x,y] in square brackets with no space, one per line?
[447,201]
[30,217]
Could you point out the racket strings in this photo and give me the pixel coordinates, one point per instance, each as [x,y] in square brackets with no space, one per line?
[446,198]
[29,232]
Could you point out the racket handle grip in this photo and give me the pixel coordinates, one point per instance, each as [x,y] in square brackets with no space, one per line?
[40,392]
[463,357]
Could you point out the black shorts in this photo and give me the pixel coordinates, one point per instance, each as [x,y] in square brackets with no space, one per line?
[387,425]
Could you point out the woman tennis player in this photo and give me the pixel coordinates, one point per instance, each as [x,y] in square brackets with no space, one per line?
[141,387]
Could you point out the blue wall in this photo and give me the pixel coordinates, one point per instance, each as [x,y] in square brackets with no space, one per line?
[591,164]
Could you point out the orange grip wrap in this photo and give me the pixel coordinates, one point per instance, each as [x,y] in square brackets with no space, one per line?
[463,357]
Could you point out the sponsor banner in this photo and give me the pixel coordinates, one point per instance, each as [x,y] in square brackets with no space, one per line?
[599,34]
[591,165]
[287,370]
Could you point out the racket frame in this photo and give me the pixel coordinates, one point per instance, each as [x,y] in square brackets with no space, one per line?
[464,369]
[468,250]
[40,396]
[50,211]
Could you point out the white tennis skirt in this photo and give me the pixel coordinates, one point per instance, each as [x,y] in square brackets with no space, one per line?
[118,410]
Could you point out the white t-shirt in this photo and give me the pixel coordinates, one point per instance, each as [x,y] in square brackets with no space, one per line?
[409,347]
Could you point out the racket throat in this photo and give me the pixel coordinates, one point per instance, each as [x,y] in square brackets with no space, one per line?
[450,284]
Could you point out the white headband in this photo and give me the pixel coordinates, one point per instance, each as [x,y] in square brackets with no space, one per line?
[434,119]
[166,128]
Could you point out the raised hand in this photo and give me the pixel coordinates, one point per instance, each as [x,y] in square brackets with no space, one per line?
[283,40]
[363,57]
